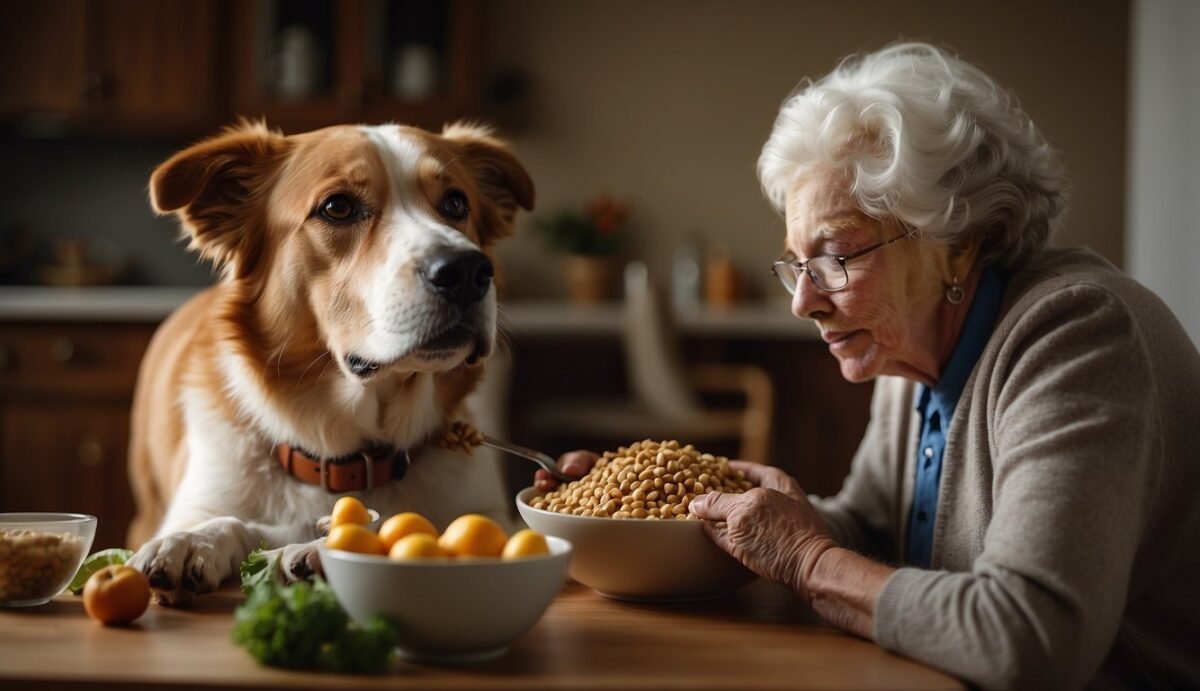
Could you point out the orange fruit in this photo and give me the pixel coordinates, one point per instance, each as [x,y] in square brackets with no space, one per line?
[416,546]
[405,524]
[473,535]
[350,510]
[354,538]
[525,543]
[116,594]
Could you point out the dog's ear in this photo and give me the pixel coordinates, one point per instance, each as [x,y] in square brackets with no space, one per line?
[218,188]
[500,176]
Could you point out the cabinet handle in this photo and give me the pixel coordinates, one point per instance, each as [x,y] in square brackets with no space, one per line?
[91,451]
[63,350]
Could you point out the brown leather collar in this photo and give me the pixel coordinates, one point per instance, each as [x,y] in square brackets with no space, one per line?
[364,469]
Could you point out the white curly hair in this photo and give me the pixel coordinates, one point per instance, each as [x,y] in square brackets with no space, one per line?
[926,140]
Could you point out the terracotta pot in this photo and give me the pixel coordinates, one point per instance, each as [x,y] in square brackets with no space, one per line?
[589,279]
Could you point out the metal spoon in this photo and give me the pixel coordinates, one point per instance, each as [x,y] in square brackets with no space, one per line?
[548,464]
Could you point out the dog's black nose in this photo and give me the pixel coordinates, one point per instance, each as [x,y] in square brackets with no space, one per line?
[460,276]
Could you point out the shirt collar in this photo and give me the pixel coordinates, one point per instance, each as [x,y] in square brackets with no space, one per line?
[977,329]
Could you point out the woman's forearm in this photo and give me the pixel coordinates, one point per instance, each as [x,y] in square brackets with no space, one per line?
[843,587]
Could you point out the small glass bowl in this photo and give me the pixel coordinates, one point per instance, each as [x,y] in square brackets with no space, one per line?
[40,553]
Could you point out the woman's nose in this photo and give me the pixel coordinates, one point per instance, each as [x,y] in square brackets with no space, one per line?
[809,301]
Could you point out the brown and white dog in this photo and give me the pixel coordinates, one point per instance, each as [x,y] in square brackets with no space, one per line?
[354,312]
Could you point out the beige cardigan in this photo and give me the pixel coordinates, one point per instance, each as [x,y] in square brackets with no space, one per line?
[1066,547]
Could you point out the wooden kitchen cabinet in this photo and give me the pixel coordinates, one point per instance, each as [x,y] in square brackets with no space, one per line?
[141,67]
[65,394]
[304,64]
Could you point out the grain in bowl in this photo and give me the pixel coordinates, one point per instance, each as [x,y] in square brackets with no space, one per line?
[39,553]
[649,479]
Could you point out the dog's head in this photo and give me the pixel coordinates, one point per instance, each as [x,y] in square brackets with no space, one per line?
[377,239]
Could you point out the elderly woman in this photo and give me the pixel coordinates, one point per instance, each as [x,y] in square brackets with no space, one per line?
[1022,510]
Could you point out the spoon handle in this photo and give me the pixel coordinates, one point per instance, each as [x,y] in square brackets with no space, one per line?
[538,457]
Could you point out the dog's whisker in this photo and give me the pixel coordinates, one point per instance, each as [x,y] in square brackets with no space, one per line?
[322,372]
[314,361]
[279,357]
[446,165]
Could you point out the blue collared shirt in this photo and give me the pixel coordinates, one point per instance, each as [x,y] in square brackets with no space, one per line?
[936,407]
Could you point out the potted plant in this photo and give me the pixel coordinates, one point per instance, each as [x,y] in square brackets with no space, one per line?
[589,238]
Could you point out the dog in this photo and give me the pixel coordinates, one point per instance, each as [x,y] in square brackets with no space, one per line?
[354,312]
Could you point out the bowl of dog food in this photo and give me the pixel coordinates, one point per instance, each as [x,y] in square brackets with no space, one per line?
[460,595]
[628,520]
[40,553]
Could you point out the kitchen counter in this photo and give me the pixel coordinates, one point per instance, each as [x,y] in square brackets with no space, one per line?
[761,637]
[521,318]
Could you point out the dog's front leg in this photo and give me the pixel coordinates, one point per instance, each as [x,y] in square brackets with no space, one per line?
[184,564]
[298,561]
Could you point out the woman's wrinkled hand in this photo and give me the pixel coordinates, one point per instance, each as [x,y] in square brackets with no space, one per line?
[573,463]
[773,530]
[770,477]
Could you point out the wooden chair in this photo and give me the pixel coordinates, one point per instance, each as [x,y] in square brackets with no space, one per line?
[666,396]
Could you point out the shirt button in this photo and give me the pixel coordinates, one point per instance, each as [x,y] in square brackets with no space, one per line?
[921,516]
[928,452]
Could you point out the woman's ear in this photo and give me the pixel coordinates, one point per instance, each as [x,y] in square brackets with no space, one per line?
[500,176]
[218,190]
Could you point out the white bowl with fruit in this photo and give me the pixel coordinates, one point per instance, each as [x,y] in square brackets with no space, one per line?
[461,595]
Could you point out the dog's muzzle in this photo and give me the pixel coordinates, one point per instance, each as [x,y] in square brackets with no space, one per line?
[460,277]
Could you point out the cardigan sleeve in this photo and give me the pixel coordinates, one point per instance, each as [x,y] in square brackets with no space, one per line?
[1072,425]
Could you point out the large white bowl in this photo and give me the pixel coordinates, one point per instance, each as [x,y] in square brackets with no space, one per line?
[638,559]
[40,553]
[450,610]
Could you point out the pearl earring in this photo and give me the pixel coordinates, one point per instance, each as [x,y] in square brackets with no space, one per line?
[954,294]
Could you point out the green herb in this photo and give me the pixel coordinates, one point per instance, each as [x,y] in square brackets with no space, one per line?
[304,626]
[97,561]
[256,569]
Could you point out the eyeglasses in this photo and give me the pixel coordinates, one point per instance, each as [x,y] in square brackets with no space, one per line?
[827,271]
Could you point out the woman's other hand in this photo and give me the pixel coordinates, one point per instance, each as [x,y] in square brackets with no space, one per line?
[769,477]
[573,463]
[773,529]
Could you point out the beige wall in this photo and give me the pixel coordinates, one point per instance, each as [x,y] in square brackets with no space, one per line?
[667,103]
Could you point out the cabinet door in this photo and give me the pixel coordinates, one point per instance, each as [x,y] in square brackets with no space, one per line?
[297,64]
[422,61]
[42,57]
[68,457]
[157,61]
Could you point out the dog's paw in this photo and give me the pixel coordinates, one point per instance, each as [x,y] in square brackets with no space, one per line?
[180,566]
[300,562]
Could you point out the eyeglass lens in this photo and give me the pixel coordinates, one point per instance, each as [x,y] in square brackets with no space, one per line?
[826,271]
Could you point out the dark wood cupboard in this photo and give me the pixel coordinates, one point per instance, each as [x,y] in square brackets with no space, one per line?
[65,394]
[123,67]
[182,68]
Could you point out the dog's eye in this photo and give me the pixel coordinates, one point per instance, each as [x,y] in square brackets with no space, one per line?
[339,208]
[454,205]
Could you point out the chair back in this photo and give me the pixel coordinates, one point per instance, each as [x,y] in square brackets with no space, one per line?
[654,357]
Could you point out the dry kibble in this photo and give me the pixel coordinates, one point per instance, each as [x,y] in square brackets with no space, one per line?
[460,436]
[34,563]
[648,479]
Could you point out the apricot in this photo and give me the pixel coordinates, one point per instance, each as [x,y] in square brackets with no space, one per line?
[473,535]
[405,524]
[349,510]
[116,594]
[416,546]
[525,543]
[352,537]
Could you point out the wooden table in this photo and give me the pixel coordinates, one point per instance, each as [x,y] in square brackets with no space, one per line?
[761,637]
